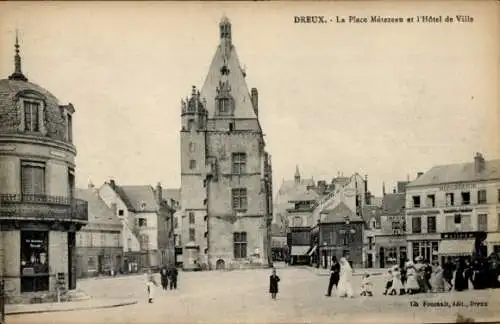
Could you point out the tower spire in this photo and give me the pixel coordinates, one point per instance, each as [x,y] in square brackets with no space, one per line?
[297,174]
[18,74]
[225,34]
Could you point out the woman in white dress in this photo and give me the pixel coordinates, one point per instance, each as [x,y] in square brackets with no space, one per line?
[411,285]
[397,285]
[344,288]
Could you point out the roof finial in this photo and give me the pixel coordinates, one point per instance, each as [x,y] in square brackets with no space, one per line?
[297,174]
[225,34]
[18,74]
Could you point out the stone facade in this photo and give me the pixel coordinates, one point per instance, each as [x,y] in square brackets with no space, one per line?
[213,137]
[39,214]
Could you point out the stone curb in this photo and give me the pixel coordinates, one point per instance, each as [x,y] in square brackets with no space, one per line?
[71,309]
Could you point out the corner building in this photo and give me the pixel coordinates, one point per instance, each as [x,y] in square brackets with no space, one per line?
[39,214]
[226,173]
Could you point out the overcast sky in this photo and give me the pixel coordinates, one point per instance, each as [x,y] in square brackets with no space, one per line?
[387,100]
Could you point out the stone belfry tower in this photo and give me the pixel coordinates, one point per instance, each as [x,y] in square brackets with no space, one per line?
[226,174]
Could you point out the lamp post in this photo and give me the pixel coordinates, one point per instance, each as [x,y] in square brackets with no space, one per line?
[324,254]
[348,233]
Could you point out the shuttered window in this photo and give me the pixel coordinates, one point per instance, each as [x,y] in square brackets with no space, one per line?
[33,180]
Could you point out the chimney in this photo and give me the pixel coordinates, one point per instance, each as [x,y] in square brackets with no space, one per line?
[112,183]
[158,192]
[321,187]
[254,94]
[402,186]
[479,163]
[419,174]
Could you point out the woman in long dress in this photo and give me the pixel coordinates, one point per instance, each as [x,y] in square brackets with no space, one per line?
[397,285]
[344,288]
[437,280]
[411,284]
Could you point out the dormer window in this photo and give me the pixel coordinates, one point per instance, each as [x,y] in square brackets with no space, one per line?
[224,105]
[31,116]
[31,111]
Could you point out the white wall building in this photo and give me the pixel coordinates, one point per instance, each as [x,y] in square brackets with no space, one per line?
[449,205]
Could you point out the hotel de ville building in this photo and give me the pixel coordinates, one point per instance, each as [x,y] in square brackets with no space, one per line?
[226,174]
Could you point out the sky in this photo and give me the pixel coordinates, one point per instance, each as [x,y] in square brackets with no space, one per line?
[386,100]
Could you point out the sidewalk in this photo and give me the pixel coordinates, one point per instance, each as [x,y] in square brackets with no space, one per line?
[356,272]
[15,309]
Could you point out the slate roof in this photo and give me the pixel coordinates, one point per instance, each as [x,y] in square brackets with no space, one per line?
[100,215]
[371,211]
[394,203]
[304,195]
[135,196]
[239,90]
[339,213]
[462,172]
[9,116]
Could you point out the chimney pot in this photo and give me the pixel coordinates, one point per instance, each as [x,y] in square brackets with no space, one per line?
[479,162]
[419,174]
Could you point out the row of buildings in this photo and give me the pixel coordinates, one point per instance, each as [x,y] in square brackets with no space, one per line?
[55,233]
[449,211]
[130,228]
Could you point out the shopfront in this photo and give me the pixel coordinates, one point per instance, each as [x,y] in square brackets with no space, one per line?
[425,246]
[34,263]
[461,244]
[390,250]
[36,256]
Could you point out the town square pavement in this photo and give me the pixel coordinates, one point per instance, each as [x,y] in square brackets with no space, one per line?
[242,297]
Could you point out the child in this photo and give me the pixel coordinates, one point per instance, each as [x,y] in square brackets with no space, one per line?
[151,283]
[366,286]
[273,284]
[388,284]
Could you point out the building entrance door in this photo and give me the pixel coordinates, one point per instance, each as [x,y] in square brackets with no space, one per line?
[72,261]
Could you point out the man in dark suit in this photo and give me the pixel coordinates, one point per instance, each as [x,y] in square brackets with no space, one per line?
[334,276]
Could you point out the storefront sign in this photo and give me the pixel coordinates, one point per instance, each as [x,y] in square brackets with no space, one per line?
[458,210]
[34,244]
[423,212]
[458,235]
[457,186]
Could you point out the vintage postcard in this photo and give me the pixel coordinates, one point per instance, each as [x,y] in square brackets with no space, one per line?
[249,162]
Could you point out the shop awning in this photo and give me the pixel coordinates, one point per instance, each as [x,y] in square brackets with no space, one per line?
[313,250]
[456,247]
[299,250]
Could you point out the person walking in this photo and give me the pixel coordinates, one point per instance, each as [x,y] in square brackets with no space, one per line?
[164,278]
[448,268]
[150,287]
[334,276]
[437,280]
[273,284]
[411,284]
[173,274]
[344,288]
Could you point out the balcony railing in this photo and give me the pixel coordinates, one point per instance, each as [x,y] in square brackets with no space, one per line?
[43,207]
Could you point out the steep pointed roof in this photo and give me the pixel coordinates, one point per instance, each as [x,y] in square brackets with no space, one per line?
[225,55]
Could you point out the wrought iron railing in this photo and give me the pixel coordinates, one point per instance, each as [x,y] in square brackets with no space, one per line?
[42,206]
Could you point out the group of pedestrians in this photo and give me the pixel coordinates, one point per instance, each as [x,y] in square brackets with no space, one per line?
[167,275]
[460,274]
[340,278]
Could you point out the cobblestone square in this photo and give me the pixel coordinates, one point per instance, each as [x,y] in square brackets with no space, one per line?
[241,297]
